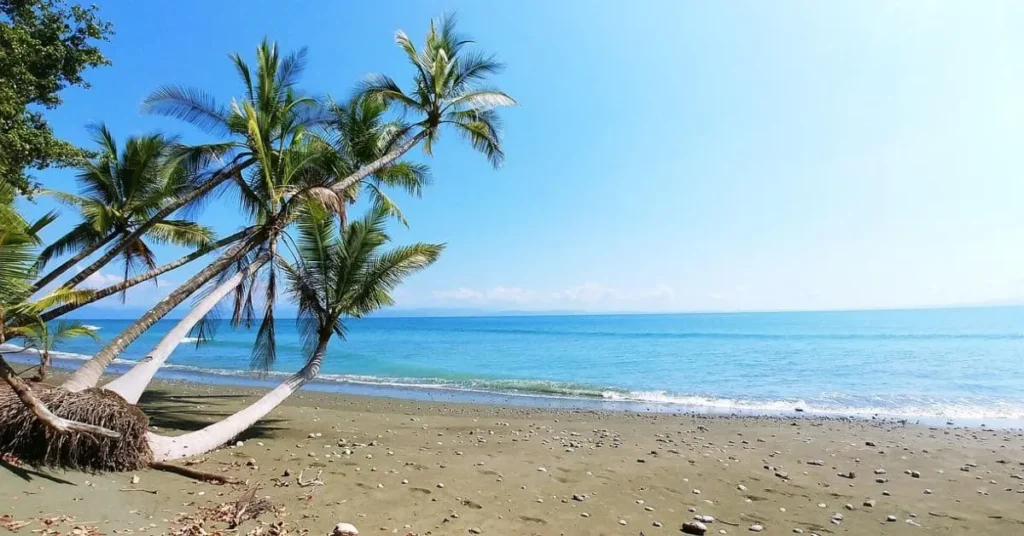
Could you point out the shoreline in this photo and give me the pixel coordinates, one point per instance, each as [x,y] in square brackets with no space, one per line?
[400,466]
[459,395]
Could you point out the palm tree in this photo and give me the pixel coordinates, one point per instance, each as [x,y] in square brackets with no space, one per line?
[18,239]
[335,276]
[264,124]
[45,338]
[446,93]
[121,191]
[358,134]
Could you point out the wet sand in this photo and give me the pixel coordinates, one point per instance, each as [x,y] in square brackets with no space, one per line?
[406,467]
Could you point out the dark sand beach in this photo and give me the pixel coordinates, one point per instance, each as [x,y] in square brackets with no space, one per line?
[392,466]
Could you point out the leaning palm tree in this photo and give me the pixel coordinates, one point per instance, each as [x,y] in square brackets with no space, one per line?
[45,338]
[447,92]
[358,133]
[121,190]
[335,276]
[266,122]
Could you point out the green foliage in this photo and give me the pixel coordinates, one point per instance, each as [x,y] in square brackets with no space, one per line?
[47,337]
[339,274]
[18,242]
[121,188]
[45,46]
[447,90]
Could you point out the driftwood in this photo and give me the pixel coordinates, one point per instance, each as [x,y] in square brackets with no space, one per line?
[193,473]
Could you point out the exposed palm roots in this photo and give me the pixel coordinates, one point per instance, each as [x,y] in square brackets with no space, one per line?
[24,437]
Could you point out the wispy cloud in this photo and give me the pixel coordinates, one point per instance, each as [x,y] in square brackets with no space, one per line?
[587,296]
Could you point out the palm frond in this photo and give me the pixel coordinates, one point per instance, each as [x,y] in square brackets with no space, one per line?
[182,233]
[192,105]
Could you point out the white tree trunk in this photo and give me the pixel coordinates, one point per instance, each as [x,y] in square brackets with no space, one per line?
[202,441]
[133,383]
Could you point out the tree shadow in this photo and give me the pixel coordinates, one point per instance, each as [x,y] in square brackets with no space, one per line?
[172,411]
[27,474]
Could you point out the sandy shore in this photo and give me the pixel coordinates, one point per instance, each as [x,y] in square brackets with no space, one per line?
[405,467]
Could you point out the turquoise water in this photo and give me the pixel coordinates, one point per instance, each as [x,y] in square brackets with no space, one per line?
[949,363]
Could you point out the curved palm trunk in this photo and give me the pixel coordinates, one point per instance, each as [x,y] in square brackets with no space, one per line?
[378,164]
[209,438]
[88,375]
[81,255]
[157,218]
[142,278]
[131,384]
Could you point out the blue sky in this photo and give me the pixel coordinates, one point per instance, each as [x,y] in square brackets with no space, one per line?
[665,156]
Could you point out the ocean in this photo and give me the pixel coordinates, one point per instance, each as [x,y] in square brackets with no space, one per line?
[935,365]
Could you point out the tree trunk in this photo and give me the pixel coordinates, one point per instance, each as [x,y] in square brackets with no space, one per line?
[27,397]
[131,384]
[209,438]
[44,361]
[56,272]
[142,278]
[378,164]
[157,218]
[88,375]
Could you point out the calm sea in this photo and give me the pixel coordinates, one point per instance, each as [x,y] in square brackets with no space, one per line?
[963,364]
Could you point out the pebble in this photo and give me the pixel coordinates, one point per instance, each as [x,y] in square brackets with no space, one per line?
[756,528]
[584,514]
[915,474]
[622,521]
[440,485]
[475,530]
[798,530]
[870,503]
[891,518]
[345,529]
[704,519]
[656,524]
[694,527]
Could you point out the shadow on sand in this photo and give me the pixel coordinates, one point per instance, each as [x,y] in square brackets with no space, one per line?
[191,412]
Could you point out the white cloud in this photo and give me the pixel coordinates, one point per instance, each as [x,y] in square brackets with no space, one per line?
[100,280]
[586,296]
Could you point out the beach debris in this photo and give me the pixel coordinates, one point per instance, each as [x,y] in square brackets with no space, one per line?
[135,479]
[816,462]
[345,529]
[150,491]
[315,481]
[694,527]
[848,474]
